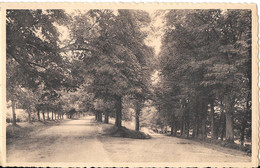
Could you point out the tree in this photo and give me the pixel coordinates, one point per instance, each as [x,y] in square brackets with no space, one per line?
[201,57]
[33,53]
[28,102]
[115,58]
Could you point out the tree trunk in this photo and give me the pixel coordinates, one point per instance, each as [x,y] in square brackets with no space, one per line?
[204,109]
[52,115]
[29,116]
[137,114]
[55,115]
[217,131]
[38,115]
[197,118]
[175,127]
[99,116]
[13,112]
[203,128]
[96,115]
[172,129]
[222,124]
[172,125]
[244,120]
[188,128]
[48,117]
[229,128]
[43,116]
[195,131]
[242,134]
[197,128]
[181,126]
[223,132]
[119,111]
[212,120]
[228,106]
[107,117]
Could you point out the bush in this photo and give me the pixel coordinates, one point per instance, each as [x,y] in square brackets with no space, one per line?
[126,133]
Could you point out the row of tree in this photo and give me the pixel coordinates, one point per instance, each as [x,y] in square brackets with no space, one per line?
[205,71]
[36,70]
[103,57]
[103,64]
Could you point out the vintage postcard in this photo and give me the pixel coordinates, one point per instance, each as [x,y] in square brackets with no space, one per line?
[129,84]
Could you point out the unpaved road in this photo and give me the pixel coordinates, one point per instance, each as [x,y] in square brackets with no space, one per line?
[82,141]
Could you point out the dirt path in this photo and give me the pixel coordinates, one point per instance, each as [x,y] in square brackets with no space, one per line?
[82,141]
[72,141]
[168,149]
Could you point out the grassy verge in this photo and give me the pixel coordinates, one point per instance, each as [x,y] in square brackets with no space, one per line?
[225,144]
[24,129]
[124,133]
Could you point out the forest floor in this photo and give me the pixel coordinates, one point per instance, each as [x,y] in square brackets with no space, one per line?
[85,140]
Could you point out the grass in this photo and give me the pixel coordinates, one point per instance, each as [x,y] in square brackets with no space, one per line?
[125,133]
[25,129]
[227,144]
[224,143]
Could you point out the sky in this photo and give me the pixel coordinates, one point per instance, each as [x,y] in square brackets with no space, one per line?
[156,30]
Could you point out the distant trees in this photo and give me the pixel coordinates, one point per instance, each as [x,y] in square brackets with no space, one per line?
[205,72]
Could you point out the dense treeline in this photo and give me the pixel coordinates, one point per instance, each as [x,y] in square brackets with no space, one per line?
[205,70]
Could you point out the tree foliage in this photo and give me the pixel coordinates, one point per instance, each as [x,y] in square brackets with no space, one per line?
[205,64]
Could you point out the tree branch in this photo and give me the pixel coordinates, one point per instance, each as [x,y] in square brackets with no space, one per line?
[36,65]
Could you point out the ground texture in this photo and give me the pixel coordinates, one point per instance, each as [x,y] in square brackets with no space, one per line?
[86,141]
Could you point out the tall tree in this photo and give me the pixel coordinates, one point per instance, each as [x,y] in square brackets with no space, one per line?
[33,52]
[201,55]
[114,53]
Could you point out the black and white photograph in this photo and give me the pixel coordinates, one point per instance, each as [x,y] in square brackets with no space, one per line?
[130,85]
